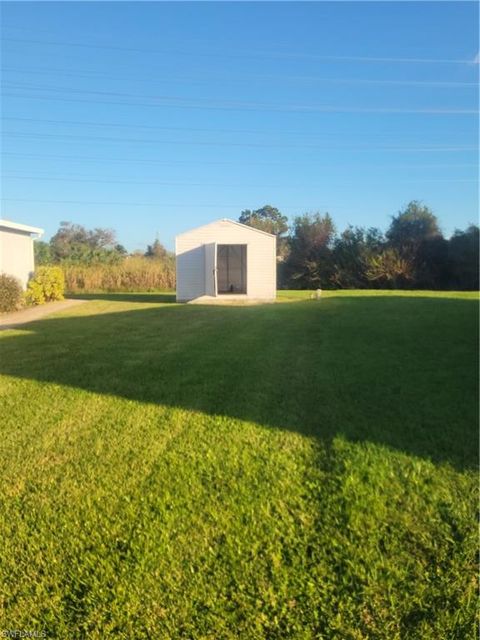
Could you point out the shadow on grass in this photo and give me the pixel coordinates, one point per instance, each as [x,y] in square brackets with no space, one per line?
[401,372]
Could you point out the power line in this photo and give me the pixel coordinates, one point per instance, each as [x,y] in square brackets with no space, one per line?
[234,105]
[91,123]
[248,54]
[145,182]
[282,78]
[287,161]
[160,204]
[122,125]
[209,184]
[141,160]
[135,204]
[180,106]
[81,138]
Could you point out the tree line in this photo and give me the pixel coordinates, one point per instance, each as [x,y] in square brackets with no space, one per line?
[93,260]
[74,244]
[412,254]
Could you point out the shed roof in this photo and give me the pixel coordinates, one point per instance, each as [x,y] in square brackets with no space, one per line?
[16,226]
[238,224]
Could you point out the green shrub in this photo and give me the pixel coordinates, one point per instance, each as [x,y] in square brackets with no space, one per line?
[11,294]
[47,284]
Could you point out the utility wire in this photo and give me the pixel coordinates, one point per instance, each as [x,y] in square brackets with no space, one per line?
[180,106]
[137,204]
[80,73]
[210,184]
[82,138]
[246,54]
[235,105]
[287,161]
[311,135]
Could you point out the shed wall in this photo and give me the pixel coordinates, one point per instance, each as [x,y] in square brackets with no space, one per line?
[261,259]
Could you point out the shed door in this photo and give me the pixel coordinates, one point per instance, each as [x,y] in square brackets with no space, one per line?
[211,269]
[231,268]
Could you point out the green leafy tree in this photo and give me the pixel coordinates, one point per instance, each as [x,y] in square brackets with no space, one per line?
[463,255]
[268,219]
[42,252]
[412,227]
[352,252]
[309,264]
[390,269]
[415,234]
[432,264]
[156,250]
[75,243]
[120,249]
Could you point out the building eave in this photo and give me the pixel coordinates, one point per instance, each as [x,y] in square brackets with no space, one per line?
[17,226]
[238,224]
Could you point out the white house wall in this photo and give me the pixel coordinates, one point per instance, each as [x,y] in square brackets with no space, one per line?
[261,259]
[16,254]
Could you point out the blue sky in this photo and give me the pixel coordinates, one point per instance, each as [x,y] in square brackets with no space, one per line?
[151,118]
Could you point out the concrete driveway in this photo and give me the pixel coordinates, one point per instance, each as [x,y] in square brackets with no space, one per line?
[17,318]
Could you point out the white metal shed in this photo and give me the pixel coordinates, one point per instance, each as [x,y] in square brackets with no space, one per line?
[226,260]
[16,249]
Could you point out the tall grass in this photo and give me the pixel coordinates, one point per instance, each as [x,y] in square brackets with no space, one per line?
[132,274]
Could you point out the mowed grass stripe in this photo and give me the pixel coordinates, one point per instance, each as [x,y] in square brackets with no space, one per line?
[303,470]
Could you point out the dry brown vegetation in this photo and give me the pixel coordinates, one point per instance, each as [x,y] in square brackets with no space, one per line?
[132,274]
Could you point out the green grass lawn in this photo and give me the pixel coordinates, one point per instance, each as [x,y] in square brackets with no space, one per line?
[299,470]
